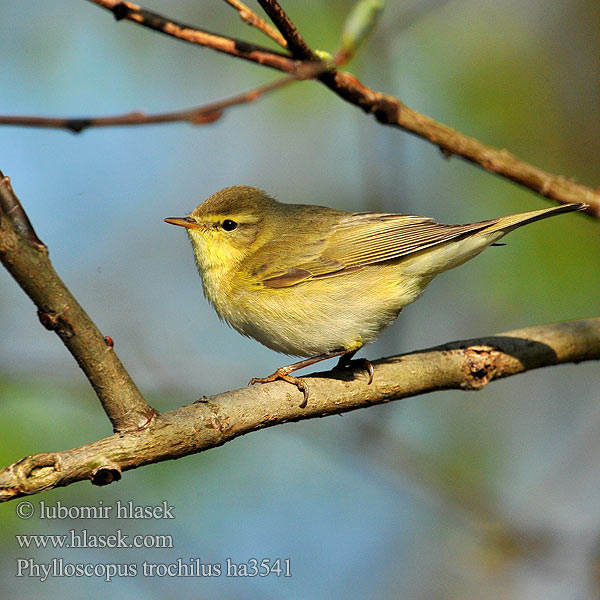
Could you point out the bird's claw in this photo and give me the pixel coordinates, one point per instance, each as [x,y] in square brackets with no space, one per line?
[357,362]
[284,376]
[368,367]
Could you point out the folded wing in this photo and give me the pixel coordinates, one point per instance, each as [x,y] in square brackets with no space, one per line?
[367,238]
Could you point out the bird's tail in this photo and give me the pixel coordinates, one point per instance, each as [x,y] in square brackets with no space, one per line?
[510,222]
[455,252]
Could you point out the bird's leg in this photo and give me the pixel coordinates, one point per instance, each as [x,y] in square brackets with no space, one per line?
[346,360]
[284,372]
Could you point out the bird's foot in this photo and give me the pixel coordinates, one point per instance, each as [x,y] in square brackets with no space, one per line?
[346,361]
[283,373]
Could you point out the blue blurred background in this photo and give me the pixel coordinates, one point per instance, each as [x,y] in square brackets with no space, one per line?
[488,495]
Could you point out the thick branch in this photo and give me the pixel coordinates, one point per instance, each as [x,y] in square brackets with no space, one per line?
[28,262]
[211,422]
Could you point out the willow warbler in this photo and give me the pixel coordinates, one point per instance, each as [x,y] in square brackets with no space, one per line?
[318,282]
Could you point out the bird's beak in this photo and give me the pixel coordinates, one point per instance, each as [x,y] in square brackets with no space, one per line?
[186,222]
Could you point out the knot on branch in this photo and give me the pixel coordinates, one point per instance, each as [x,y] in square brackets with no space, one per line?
[49,319]
[480,367]
[106,474]
[387,111]
[8,243]
[32,474]
[446,153]
[54,321]
[222,425]
[243,47]
[78,125]
[120,11]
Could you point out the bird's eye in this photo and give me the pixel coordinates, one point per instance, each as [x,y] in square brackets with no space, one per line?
[229,225]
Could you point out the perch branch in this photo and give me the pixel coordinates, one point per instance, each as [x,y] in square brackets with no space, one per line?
[211,422]
[26,258]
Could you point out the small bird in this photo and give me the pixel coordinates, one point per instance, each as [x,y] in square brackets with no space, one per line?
[317,282]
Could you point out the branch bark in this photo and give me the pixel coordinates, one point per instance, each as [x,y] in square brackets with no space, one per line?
[26,259]
[211,422]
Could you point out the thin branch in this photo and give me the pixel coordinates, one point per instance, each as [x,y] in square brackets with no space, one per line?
[390,111]
[26,259]
[211,422]
[200,115]
[249,16]
[193,35]
[386,109]
[295,42]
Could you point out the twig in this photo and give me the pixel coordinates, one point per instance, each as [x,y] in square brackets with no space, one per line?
[295,42]
[199,115]
[211,422]
[193,35]
[390,111]
[386,109]
[27,261]
[249,16]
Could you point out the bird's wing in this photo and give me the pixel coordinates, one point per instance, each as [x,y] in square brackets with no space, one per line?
[363,239]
